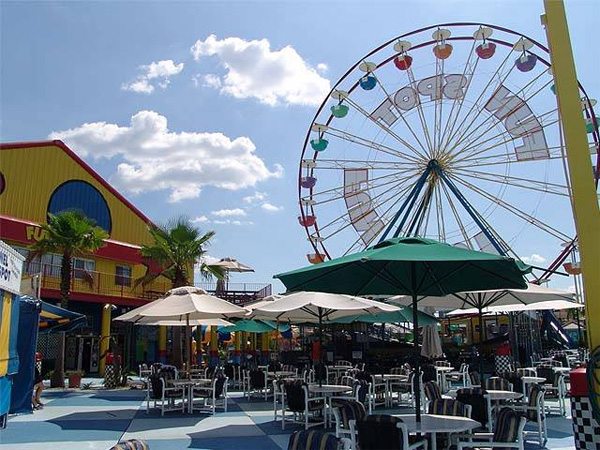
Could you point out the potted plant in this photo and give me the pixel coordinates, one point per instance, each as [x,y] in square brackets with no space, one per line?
[75,378]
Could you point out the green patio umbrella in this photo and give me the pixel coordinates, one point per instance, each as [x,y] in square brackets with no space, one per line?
[255,326]
[410,266]
[404,314]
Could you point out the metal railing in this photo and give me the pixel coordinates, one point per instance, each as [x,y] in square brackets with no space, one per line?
[99,283]
[237,293]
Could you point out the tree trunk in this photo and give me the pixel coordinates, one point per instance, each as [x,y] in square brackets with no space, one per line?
[58,376]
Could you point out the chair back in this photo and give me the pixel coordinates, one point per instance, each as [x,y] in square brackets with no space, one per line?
[346,380]
[515,379]
[497,384]
[535,399]
[361,389]
[432,391]
[321,372]
[219,384]
[350,410]
[508,427]
[313,440]
[442,364]
[429,373]
[547,373]
[295,395]
[343,362]
[527,372]
[257,379]
[274,366]
[379,431]
[447,407]
[475,378]
[475,398]
[131,444]
[229,370]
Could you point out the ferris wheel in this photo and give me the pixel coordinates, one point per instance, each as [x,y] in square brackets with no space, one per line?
[451,132]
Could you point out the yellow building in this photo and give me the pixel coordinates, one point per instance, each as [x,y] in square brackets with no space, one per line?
[37,178]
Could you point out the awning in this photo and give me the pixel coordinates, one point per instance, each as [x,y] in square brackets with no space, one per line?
[54,318]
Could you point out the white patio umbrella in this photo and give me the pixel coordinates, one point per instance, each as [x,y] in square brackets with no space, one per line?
[229,265]
[187,303]
[480,300]
[177,322]
[432,345]
[538,306]
[317,307]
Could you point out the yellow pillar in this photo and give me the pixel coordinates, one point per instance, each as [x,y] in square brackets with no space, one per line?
[104,337]
[162,344]
[585,201]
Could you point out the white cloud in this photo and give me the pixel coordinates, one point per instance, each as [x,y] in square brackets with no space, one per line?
[321,67]
[156,158]
[270,207]
[161,71]
[533,259]
[254,198]
[233,222]
[253,70]
[200,219]
[229,212]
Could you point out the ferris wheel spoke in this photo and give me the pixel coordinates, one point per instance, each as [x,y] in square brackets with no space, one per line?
[344,221]
[494,120]
[338,192]
[403,118]
[504,157]
[440,215]
[385,128]
[421,114]
[457,218]
[474,150]
[512,209]
[475,108]
[337,164]
[524,183]
[355,139]
[468,73]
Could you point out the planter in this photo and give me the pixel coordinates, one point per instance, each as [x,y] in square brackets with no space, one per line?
[74,380]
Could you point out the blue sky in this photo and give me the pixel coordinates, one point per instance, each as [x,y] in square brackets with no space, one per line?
[156,72]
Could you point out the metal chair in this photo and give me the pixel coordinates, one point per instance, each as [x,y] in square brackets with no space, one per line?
[382,431]
[164,392]
[481,405]
[344,412]
[213,396]
[298,402]
[316,440]
[507,434]
[535,412]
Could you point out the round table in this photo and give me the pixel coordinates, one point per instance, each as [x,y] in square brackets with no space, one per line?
[433,423]
[188,385]
[494,395]
[328,391]
[281,373]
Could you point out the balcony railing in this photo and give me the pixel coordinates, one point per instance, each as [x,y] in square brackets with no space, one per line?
[237,293]
[99,283]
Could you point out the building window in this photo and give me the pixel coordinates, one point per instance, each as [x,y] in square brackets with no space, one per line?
[123,276]
[83,268]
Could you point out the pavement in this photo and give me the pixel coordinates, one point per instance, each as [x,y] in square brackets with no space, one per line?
[97,419]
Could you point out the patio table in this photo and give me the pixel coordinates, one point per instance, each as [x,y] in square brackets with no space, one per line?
[281,373]
[328,391]
[188,385]
[433,424]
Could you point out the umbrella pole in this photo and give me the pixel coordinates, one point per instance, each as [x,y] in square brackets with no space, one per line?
[320,345]
[480,309]
[189,345]
[417,381]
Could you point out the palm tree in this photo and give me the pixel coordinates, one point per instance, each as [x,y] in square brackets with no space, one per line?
[177,247]
[70,234]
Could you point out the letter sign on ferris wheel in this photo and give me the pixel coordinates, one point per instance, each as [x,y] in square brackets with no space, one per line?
[450,132]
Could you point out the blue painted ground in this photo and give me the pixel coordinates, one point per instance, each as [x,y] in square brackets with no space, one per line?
[97,419]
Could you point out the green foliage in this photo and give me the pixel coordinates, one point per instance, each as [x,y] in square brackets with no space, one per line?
[176,247]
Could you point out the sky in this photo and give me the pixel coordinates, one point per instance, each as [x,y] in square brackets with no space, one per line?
[201,109]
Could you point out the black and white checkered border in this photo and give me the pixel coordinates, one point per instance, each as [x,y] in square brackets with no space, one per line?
[586,429]
[503,363]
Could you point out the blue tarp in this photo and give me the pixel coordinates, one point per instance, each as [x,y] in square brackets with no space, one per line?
[22,388]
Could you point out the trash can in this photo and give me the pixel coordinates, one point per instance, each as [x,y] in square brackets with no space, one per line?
[586,430]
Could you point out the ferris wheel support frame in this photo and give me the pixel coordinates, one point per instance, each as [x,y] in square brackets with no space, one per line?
[584,201]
